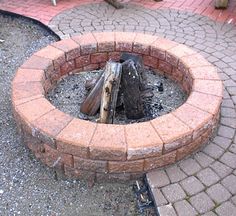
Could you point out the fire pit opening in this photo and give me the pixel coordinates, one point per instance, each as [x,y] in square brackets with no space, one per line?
[98,151]
[138,93]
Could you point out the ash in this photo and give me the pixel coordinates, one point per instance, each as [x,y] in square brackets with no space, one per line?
[70,92]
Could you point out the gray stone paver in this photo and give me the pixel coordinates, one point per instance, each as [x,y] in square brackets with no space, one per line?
[183,208]
[221,169]
[208,176]
[230,183]
[158,178]
[192,185]
[226,209]
[202,202]
[217,43]
[203,159]
[189,166]
[173,192]
[211,213]
[222,141]
[218,193]
[213,150]
[229,159]
[158,196]
[167,210]
[175,173]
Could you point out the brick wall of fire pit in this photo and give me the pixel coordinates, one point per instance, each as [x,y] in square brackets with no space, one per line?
[84,149]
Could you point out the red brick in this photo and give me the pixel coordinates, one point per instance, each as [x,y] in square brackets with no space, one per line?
[70,47]
[108,143]
[142,43]
[91,67]
[195,118]
[54,159]
[204,72]
[194,61]
[87,42]
[91,165]
[29,112]
[177,75]
[127,166]
[48,126]
[106,41]
[171,59]
[29,75]
[124,41]
[17,102]
[75,138]
[163,45]
[213,87]
[157,162]
[50,52]
[99,57]
[150,61]
[143,141]
[67,67]
[36,62]
[172,131]
[180,51]
[205,102]
[82,61]
[165,67]
[188,149]
[114,56]
[26,90]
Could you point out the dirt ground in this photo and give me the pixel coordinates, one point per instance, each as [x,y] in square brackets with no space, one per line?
[26,186]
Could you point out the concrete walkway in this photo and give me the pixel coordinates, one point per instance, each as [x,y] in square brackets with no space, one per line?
[205,183]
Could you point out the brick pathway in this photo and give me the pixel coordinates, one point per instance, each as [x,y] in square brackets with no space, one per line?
[204,183]
[44,11]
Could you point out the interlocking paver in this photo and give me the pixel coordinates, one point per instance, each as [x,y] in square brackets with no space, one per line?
[175,174]
[213,150]
[226,209]
[203,159]
[183,208]
[192,185]
[202,202]
[230,183]
[221,169]
[158,178]
[208,176]
[159,198]
[218,193]
[173,192]
[226,132]
[229,159]
[189,166]
[222,141]
[167,210]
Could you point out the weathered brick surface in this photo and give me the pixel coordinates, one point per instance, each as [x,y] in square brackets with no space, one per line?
[95,149]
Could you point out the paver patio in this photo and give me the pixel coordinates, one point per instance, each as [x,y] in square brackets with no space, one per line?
[205,182]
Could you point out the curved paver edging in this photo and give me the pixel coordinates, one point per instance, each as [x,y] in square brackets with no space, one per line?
[88,150]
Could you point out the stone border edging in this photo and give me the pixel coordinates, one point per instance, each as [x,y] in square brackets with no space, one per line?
[89,150]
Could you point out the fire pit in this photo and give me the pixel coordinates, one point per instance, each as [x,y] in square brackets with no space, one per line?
[89,150]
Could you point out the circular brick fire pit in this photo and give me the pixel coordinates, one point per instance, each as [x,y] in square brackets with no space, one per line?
[90,150]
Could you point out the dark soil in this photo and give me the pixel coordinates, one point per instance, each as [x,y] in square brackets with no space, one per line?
[70,93]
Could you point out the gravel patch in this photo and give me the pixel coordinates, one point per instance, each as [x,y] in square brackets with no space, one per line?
[26,186]
[70,92]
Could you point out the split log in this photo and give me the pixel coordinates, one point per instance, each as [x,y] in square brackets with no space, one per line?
[115,4]
[91,104]
[110,92]
[131,86]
